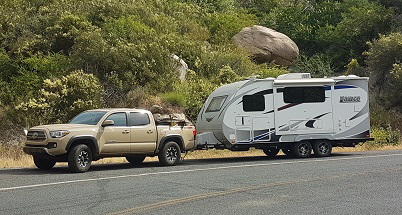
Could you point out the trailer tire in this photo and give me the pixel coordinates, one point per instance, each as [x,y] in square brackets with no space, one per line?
[322,148]
[43,163]
[271,152]
[170,154]
[136,159]
[80,158]
[302,149]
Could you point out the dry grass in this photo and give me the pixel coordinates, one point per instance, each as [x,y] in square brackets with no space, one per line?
[13,157]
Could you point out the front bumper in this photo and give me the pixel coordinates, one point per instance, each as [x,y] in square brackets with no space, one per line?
[36,151]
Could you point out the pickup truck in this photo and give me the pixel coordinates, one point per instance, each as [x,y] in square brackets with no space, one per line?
[100,133]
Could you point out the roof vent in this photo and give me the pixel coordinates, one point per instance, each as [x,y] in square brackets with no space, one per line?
[294,76]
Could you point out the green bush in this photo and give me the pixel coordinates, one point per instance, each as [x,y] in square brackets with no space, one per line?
[385,136]
[175,98]
[61,99]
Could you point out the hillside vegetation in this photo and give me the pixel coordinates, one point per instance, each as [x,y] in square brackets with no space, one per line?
[60,57]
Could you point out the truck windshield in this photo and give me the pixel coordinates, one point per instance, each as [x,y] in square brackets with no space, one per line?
[88,118]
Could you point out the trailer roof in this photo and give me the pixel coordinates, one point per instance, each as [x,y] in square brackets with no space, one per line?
[304,81]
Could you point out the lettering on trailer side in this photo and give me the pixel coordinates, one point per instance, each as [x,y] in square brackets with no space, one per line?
[349,99]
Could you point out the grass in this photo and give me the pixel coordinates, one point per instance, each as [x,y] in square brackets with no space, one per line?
[13,157]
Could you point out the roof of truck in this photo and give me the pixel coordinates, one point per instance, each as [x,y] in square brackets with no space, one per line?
[119,109]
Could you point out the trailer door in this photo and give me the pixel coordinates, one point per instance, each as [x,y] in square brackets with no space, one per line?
[243,129]
[303,109]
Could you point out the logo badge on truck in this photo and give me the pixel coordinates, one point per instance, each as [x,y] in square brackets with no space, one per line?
[35,135]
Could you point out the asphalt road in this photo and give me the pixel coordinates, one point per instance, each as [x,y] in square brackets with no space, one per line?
[345,183]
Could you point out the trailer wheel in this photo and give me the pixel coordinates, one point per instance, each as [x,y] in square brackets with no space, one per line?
[322,148]
[80,158]
[43,163]
[135,159]
[170,154]
[302,149]
[271,152]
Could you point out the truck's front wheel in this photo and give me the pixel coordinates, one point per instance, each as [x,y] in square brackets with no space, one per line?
[80,158]
[43,163]
[170,154]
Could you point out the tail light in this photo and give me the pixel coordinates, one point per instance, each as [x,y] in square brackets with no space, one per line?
[194,132]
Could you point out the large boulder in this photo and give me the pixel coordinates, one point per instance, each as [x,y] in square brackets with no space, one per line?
[267,45]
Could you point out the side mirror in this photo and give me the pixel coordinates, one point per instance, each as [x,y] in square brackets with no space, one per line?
[107,123]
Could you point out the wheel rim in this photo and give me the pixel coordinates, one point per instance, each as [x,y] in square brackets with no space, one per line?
[323,148]
[83,158]
[303,149]
[171,154]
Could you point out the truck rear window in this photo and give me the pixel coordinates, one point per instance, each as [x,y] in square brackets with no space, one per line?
[138,119]
[216,104]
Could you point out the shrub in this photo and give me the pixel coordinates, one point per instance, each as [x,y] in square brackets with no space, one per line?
[385,136]
[175,98]
[61,99]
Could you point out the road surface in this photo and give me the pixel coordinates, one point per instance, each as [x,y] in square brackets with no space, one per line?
[345,183]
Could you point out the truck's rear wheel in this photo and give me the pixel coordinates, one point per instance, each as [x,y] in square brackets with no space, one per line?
[301,149]
[271,152]
[322,148]
[135,159]
[170,154]
[43,163]
[80,158]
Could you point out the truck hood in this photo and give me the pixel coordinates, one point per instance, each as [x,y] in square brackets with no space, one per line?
[71,127]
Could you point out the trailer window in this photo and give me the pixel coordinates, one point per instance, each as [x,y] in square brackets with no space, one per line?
[253,103]
[303,94]
[216,104]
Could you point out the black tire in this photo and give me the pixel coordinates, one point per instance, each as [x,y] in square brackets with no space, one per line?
[301,149]
[135,159]
[287,151]
[322,148]
[170,154]
[271,152]
[80,158]
[43,163]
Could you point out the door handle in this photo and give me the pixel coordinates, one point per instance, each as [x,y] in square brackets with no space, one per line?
[150,132]
[125,132]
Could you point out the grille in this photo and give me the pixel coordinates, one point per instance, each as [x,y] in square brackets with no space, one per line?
[36,135]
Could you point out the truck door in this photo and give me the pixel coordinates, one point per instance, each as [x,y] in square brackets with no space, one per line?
[143,133]
[116,138]
[303,109]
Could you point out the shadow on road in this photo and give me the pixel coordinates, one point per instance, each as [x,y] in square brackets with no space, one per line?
[154,164]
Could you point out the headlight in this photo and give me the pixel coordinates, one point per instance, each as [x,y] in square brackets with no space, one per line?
[58,134]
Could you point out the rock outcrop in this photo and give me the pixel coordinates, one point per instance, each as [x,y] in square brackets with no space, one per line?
[266,45]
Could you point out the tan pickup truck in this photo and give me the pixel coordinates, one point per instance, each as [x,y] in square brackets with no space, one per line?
[96,134]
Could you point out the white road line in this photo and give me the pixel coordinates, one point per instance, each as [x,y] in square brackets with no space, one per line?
[192,170]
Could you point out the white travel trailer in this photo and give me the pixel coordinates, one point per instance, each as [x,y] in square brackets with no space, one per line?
[294,112]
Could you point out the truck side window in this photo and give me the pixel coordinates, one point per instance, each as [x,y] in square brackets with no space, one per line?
[138,119]
[253,103]
[303,94]
[216,104]
[119,119]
